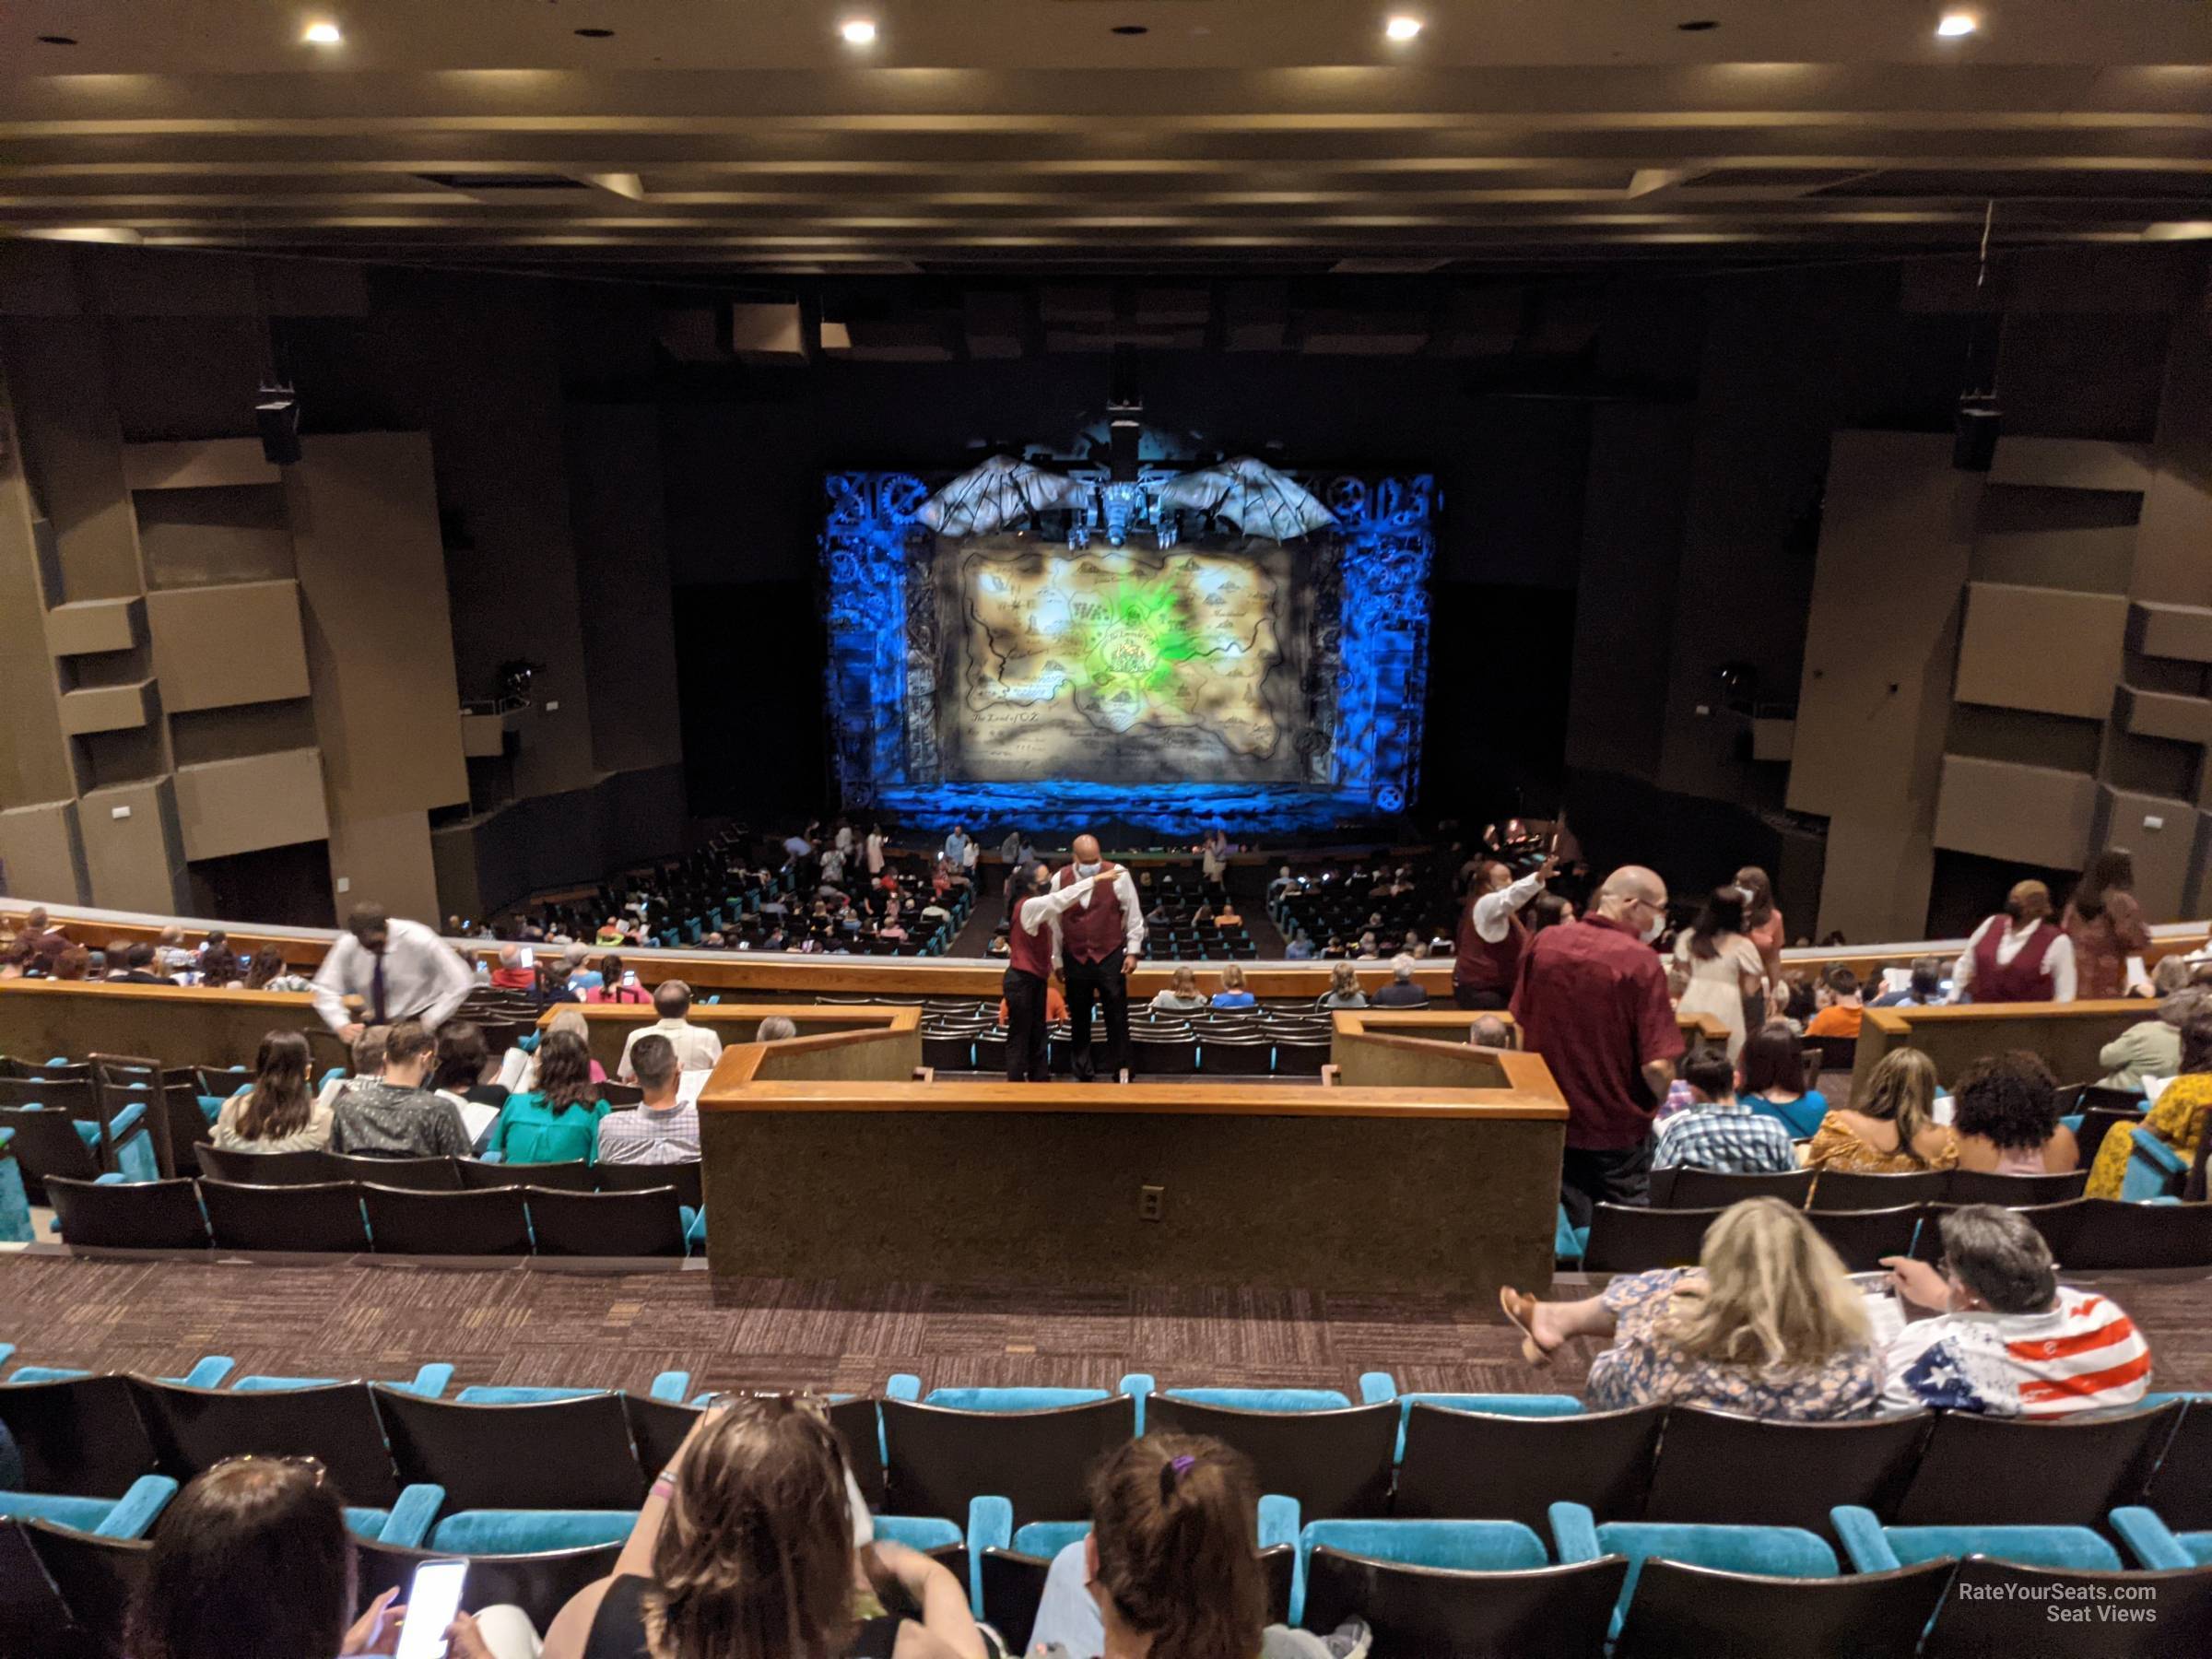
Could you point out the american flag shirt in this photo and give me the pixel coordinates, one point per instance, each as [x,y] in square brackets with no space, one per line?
[2083,1355]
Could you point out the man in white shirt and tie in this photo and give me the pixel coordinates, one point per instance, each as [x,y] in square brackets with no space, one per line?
[399,970]
[697,1048]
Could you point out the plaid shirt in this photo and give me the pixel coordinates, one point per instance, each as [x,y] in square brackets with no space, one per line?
[1725,1135]
[638,1136]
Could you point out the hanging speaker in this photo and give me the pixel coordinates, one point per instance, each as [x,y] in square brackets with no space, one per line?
[277,414]
[1974,434]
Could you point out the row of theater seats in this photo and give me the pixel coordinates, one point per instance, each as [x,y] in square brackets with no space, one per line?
[1157,1047]
[1512,1524]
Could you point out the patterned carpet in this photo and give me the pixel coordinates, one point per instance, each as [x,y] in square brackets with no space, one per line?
[536,1325]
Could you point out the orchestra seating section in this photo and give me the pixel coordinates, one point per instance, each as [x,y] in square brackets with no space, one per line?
[1494,1524]
[1337,903]
[1278,1039]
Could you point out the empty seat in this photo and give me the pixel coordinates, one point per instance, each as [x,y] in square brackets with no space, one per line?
[1714,1189]
[264,1169]
[657,1429]
[2181,1491]
[493,1223]
[194,1428]
[1494,1466]
[2107,1233]
[1535,1613]
[416,1174]
[1863,1237]
[1630,1238]
[572,1176]
[949,1050]
[2072,1472]
[1333,1463]
[1163,1054]
[558,1473]
[939,1457]
[1765,1551]
[860,1425]
[638,1177]
[1680,1608]
[1714,1466]
[96,1578]
[2013,1192]
[2001,1610]
[144,1215]
[82,1437]
[324,1217]
[1849,1189]
[645,1223]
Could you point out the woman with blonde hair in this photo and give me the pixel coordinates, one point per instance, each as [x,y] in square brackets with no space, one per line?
[1768,1325]
[1232,994]
[1183,997]
[1893,1131]
[1344,989]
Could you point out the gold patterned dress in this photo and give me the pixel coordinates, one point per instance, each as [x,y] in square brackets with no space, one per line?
[2178,1120]
[1834,1147]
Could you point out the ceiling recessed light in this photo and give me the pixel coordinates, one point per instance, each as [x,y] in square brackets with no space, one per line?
[1698,25]
[322,34]
[1130,29]
[596,34]
[1402,28]
[57,40]
[859,31]
[1956,25]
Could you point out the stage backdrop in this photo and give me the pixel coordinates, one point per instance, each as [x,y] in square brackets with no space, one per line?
[1164,669]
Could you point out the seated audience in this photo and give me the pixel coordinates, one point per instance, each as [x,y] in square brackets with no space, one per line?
[1232,994]
[2104,924]
[558,1122]
[2004,1114]
[1344,989]
[610,932]
[1841,1007]
[697,1048]
[36,944]
[138,967]
[746,1549]
[119,958]
[1547,910]
[1717,1131]
[74,963]
[1299,948]
[396,1116]
[268,973]
[776,1027]
[1401,993]
[1893,1130]
[2176,1118]
[1055,1005]
[218,963]
[665,1127]
[366,1054]
[2167,974]
[2006,1339]
[1924,989]
[2150,1048]
[511,974]
[1798,1000]
[274,1113]
[1368,951]
[170,953]
[614,987]
[2018,956]
[466,1070]
[1491,1033]
[1771,1080]
[1768,1325]
[1181,997]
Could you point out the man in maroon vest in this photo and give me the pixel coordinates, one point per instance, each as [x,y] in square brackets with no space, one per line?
[1033,943]
[1100,944]
[2019,956]
[1487,954]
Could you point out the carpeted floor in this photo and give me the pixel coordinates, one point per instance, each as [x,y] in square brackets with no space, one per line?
[532,1324]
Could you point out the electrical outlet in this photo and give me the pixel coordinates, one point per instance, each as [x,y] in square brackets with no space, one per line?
[1150,1202]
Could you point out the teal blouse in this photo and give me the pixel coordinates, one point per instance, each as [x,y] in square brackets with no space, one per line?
[530,1130]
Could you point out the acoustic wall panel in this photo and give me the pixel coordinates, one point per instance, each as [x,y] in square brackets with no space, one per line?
[107,708]
[2183,632]
[2070,463]
[216,647]
[132,850]
[42,855]
[2028,814]
[2163,714]
[198,464]
[2051,650]
[92,626]
[2160,834]
[243,805]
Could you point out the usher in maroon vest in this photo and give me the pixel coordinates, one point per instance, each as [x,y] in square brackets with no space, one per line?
[1091,933]
[2025,978]
[1482,966]
[1030,952]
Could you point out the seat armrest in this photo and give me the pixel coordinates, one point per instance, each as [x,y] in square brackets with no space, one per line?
[2149,1539]
[903,1385]
[1279,1520]
[411,1518]
[431,1380]
[209,1372]
[138,1508]
[990,1526]
[1377,1387]
[1573,1533]
[1862,1540]
[671,1385]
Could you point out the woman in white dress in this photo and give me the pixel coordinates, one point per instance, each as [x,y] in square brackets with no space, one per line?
[1724,967]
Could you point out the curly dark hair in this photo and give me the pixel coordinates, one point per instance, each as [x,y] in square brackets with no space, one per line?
[2007,1099]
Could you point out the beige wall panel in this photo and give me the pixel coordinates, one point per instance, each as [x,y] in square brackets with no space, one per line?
[2070,463]
[42,855]
[2160,835]
[92,626]
[364,513]
[214,537]
[2162,714]
[2174,539]
[615,496]
[198,466]
[385,861]
[135,862]
[107,708]
[2045,649]
[34,753]
[2161,630]
[1875,878]
[226,807]
[2028,814]
[216,647]
[2095,560]
[57,374]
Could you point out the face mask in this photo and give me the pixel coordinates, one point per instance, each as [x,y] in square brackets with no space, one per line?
[1090,869]
[1650,934]
[1746,895]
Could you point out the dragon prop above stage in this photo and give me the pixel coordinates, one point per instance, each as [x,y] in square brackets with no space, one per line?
[1247,493]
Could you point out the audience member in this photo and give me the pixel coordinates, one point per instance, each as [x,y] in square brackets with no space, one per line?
[1401,993]
[366,1064]
[776,1027]
[2104,924]
[1491,1033]
[579,976]
[1370,949]
[1762,919]
[1591,1000]
[36,943]
[618,984]
[398,970]
[1892,1130]
[512,974]
[138,965]
[1299,948]
[1922,989]
[1232,994]
[2004,1114]
[2018,956]
[2150,1048]
[394,1116]
[2176,1118]
[1717,1131]
[558,1122]
[1768,1325]
[2006,1339]
[466,1070]
[696,1047]
[1344,990]
[1546,911]
[269,972]
[74,963]
[1491,935]
[1843,1009]
[1771,1080]
[118,954]
[746,1549]
[1181,997]
[1727,975]
[665,1126]
[274,1113]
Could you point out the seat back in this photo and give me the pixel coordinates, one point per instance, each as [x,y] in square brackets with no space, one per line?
[81,1438]
[72,1094]
[1039,1461]
[98,1579]
[1542,1613]
[1999,1608]
[2108,1233]
[264,1169]
[555,1454]
[414,1174]
[1715,1467]
[638,1177]
[606,1224]
[1630,1238]
[45,1143]
[194,1428]
[1863,1237]
[540,1584]
[2180,1491]
[493,1223]
[1984,1469]
[144,1215]
[1680,1608]
[1334,1463]
[657,1429]
[2012,1192]
[324,1217]
[1484,1466]
[1848,1190]
[860,1425]
[1715,1189]
[573,1176]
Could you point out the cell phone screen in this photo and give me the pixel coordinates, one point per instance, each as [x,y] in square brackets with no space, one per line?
[528,957]
[432,1600]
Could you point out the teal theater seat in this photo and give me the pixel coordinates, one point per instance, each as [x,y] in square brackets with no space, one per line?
[1763,1551]
[1874,1547]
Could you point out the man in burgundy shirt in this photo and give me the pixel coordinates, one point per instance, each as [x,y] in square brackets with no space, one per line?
[1591,1000]
[36,944]
[1100,946]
